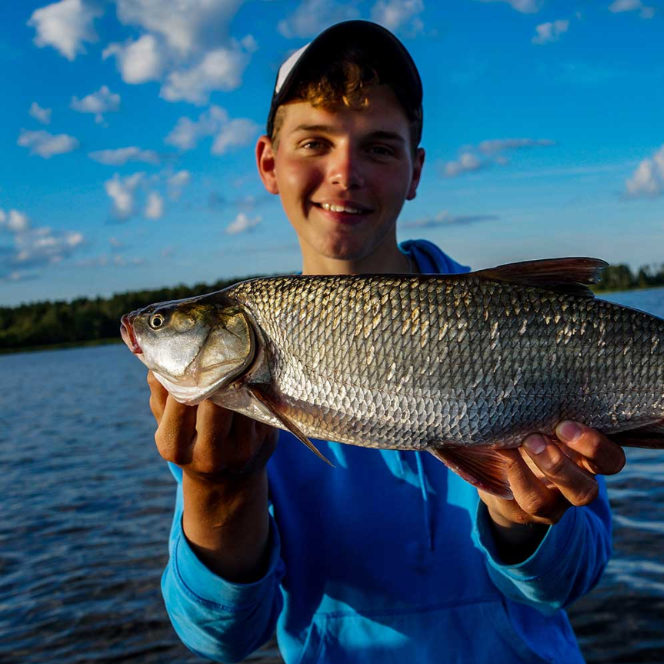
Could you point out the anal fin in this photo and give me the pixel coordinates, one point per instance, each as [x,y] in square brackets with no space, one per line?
[483,467]
[272,407]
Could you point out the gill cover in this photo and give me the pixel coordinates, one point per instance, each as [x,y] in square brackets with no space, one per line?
[201,346]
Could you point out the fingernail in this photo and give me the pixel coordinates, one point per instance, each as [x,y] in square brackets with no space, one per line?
[535,444]
[568,431]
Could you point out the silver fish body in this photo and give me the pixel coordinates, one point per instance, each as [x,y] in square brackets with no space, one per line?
[411,363]
[449,364]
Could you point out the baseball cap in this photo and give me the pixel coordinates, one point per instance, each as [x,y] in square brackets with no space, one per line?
[388,56]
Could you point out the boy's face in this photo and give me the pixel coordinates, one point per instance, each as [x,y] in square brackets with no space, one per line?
[343,175]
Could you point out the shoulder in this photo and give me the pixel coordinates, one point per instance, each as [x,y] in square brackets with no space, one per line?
[431,259]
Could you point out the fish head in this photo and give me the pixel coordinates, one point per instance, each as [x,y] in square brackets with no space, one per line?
[194,347]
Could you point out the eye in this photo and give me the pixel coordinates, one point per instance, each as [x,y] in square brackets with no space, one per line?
[381,150]
[312,144]
[156,321]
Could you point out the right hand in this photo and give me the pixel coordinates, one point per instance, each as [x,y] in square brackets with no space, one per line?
[207,441]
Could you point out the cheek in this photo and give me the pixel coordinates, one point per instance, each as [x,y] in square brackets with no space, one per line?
[297,178]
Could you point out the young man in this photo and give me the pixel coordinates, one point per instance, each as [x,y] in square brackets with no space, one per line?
[388,557]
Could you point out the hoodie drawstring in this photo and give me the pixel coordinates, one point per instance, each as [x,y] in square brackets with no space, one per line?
[428,514]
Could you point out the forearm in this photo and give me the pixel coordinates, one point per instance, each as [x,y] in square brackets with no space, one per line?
[214,616]
[226,523]
[566,564]
[515,542]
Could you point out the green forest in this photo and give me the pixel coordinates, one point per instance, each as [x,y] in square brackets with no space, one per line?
[97,320]
[83,320]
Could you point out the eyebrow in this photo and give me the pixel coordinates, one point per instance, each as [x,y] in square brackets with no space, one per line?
[328,129]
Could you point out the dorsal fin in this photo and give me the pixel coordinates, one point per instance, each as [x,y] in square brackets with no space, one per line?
[565,275]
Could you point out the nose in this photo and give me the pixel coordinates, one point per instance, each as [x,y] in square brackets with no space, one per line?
[345,169]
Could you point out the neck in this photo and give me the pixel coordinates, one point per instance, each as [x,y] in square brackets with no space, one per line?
[387,261]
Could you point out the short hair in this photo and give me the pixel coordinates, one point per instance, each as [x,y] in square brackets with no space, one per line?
[345,83]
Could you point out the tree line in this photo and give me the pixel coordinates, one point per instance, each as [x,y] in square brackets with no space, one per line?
[620,278]
[85,320]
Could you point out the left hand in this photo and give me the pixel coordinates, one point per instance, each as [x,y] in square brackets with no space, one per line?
[548,477]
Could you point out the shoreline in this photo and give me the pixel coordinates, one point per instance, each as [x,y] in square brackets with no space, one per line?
[66,345]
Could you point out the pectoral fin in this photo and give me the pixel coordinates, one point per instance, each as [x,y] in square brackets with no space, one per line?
[483,467]
[259,395]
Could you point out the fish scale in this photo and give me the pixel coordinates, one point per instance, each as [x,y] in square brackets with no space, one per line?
[490,354]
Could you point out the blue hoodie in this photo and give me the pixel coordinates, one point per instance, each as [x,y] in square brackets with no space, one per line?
[388,558]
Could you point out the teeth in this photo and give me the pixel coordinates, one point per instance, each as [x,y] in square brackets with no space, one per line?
[340,208]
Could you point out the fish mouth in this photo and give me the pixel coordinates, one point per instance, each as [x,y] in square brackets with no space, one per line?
[128,336]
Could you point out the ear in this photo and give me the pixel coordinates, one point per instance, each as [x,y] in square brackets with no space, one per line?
[418,163]
[265,164]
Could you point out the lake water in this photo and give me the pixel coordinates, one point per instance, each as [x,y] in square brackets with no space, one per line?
[87,505]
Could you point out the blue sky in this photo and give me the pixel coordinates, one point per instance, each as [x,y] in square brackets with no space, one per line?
[128,126]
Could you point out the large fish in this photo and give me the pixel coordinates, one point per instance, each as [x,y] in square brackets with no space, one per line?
[458,365]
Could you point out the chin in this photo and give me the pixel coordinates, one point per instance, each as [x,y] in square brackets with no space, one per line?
[346,252]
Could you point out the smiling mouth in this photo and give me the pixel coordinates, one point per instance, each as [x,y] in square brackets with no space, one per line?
[343,209]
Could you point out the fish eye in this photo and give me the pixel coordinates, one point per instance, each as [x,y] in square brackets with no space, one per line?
[156,321]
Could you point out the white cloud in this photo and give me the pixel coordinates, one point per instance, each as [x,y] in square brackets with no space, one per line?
[620,6]
[220,69]
[155,206]
[467,163]
[648,179]
[100,102]
[65,26]
[46,145]
[121,156]
[186,26]
[550,32]
[445,218]
[139,61]
[241,224]
[39,113]
[502,144]
[177,182]
[394,14]
[523,6]
[489,153]
[313,16]
[186,133]
[33,247]
[249,44]
[214,122]
[235,133]
[121,190]
[14,221]
[184,41]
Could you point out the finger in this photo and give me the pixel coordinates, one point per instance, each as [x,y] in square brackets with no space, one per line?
[176,432]
[212,446]
[539,503]
[600,455]
[260,441]
[577,485]
[158,396]
[212,423]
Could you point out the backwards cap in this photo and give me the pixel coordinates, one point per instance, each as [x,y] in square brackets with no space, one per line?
[389,57]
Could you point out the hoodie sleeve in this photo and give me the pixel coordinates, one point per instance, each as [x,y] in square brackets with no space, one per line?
[568,563]
[215,618]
